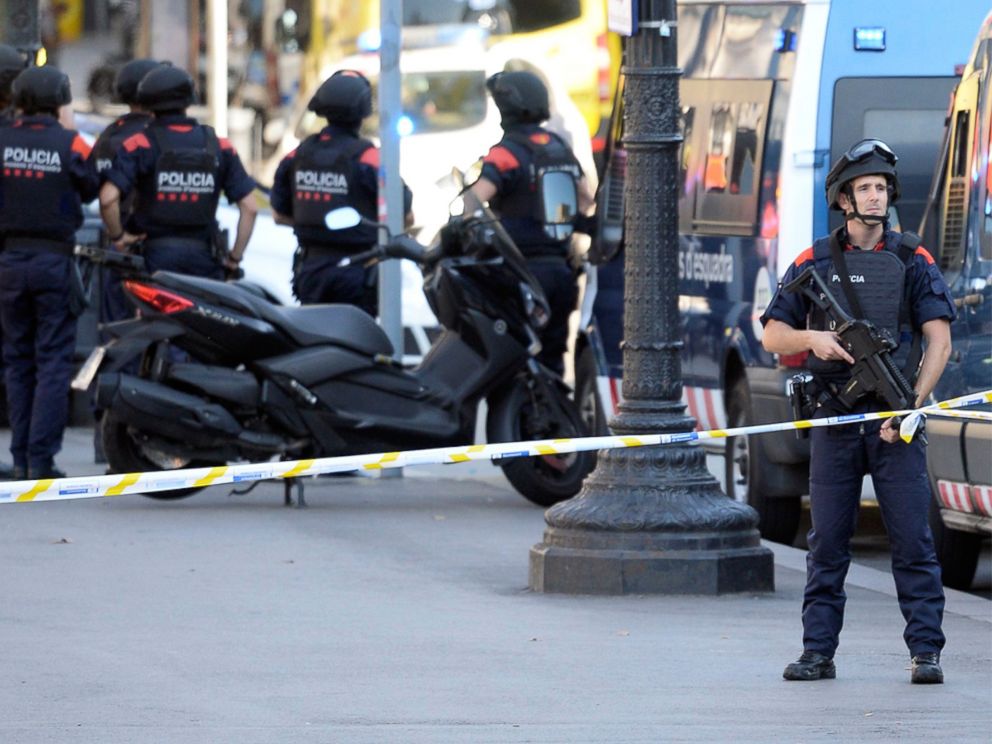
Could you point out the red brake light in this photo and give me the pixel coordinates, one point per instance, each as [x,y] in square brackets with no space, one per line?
[161,300]
[794,360]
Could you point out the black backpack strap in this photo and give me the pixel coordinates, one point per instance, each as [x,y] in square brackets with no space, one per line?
[840,264]
[906,249]
[211,143]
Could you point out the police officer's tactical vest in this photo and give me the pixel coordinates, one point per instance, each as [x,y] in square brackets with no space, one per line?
[186,190]
[553,157]
[36,176]
[325,175]
[113,137]
[106,147]
[878,278]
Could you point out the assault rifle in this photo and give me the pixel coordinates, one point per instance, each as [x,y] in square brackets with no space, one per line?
[873,370]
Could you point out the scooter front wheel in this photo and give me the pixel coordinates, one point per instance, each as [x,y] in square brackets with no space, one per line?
[522,415]
[127,454]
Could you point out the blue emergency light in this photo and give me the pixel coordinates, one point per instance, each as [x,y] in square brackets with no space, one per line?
[369,40]
[404,126]
[785,40]
[869,39]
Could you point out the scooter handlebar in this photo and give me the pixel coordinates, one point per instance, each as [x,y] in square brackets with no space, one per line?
[399,246]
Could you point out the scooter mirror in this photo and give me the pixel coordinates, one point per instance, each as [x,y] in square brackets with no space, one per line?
[342,219]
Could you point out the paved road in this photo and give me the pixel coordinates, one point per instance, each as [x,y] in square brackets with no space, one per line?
[398,611]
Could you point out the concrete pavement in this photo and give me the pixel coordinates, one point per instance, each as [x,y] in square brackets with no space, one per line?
[397,610]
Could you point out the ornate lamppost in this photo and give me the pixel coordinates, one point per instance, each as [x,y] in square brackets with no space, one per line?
[651,519]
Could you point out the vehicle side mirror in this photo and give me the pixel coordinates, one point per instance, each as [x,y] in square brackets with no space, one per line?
[342,218]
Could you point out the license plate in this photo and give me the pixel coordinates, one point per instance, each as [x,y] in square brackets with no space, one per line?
[89,369]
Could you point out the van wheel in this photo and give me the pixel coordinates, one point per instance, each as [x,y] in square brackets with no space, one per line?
[957,551]
[587,394]
[746,469]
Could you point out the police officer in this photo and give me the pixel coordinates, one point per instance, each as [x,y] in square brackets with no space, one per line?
[176,169]
[11,64]
[45,179]
[331,169]
[511,182]
[113,305]
[897,286]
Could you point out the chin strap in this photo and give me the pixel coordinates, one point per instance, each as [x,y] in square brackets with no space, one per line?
[869,219]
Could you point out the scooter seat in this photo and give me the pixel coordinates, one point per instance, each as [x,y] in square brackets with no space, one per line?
[309,325]
[313,325]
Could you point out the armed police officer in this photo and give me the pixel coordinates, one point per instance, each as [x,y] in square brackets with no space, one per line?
[515,181]
[334,168]
[45,179]
[176,168]
[888,279]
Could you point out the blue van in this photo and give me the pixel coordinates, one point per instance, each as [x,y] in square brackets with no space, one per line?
[958,223]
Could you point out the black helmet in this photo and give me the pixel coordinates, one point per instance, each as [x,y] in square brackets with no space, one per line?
[126,83]
[520,96]
[345,98]
[165,88]
[869,157]
[11,60]
[41,89]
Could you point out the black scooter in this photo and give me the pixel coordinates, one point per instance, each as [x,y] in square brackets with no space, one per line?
[211,372]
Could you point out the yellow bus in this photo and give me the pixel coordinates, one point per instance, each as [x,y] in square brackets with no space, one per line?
[568,38]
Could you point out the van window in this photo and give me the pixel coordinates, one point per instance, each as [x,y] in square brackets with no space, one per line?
[730,167]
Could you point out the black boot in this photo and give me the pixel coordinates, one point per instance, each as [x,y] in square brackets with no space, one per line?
[44,472]
[926,670]
[810,666]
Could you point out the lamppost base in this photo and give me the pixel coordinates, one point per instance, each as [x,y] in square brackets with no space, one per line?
[651,520]
[650,563]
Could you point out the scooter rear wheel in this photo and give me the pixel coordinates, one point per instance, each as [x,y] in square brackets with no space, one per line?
[126,454]
[546,480]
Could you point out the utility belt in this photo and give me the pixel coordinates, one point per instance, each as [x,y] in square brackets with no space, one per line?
[42,245]
[808,394]
[201,244]
[544,253]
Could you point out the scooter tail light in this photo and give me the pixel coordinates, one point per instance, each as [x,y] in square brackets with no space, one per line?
[160,299]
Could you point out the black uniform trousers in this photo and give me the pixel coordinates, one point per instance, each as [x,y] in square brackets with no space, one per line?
[557,280]
[839,458]
[183,256]
[39,338]
[321,280]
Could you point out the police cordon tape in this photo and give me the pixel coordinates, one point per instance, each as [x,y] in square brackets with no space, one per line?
[85,487]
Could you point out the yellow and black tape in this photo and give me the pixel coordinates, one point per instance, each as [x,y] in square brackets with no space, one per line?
[84,487]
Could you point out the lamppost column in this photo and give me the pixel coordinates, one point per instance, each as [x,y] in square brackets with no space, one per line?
[651,519]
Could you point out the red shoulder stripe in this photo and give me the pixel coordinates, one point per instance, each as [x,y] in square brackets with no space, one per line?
[80,147]
[181,127]
[135,141]
[370,157]
[502,158]
[806,255]
[921,251]
[225,144]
